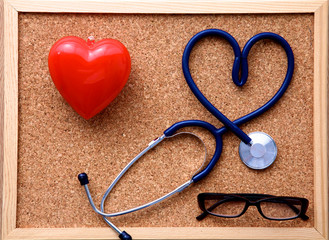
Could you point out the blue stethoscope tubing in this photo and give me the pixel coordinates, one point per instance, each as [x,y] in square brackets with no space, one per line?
[239,76]
[240,64]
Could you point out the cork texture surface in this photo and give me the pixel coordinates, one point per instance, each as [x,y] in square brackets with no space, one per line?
[56,144]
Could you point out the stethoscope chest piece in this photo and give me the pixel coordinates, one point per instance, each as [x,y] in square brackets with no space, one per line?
[261,153]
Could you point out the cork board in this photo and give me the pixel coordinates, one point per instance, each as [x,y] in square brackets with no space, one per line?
[55,144]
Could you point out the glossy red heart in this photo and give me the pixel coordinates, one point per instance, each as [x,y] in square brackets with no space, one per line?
[89,74]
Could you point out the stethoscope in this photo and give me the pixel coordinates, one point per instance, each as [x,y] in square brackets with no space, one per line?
[257,150]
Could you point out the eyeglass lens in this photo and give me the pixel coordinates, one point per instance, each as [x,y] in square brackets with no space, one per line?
[226,207]
[280,209]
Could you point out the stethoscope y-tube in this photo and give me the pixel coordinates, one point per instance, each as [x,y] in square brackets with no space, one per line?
[239,76]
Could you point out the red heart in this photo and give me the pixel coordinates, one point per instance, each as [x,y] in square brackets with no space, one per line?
[89,75]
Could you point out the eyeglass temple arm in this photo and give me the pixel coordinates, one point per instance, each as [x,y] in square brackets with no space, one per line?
[202,216]
[205,214]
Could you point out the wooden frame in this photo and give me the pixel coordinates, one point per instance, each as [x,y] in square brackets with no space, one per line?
[9,113]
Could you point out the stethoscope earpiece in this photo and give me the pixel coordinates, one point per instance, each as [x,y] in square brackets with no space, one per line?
[125,236]
[83,178]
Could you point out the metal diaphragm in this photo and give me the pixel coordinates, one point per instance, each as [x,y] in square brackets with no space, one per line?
[261,153]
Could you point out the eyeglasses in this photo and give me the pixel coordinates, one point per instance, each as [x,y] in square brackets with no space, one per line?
[235,205]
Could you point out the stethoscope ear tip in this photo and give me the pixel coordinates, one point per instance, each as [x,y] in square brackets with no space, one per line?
[83,178]
[125,236]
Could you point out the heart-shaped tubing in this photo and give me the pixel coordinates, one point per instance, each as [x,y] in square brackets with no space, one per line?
[240,63]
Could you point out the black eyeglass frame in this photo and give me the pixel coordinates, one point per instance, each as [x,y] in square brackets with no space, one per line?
[252,200]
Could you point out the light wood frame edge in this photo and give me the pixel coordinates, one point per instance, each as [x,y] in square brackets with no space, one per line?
[1,101]
[321,119]
[10,119]
[9,113]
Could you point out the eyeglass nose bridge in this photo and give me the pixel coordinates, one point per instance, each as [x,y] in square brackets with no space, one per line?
[254,204]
